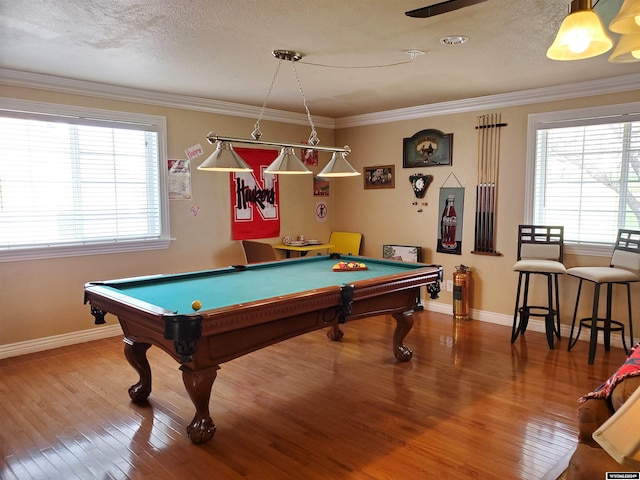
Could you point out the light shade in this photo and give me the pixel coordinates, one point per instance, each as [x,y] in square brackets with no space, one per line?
[628,18]
[287,163]
[620,434]
[581,35]
[338,167]
[224,159]
[627,50]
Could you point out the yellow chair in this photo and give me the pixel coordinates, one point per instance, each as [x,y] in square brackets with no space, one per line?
[347,243]
[256,252]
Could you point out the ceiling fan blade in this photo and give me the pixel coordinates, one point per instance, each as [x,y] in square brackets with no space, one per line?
[439,8]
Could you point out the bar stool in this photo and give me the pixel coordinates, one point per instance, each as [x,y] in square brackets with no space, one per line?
[540,252]
[623,269]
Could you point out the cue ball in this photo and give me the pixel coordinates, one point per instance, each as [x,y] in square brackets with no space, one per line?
[196,305]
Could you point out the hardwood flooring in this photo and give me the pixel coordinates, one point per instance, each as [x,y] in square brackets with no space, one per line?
[468,405]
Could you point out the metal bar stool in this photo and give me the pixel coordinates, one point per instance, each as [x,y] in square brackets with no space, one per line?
[540,252]
[623,269]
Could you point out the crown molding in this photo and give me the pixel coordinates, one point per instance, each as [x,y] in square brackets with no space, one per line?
[39,81]
[619,84]
[559,92]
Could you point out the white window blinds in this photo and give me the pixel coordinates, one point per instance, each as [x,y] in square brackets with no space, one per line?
[586,176]
[69,181]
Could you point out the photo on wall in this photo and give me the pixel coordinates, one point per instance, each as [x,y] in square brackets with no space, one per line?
[404,253]
[451,208]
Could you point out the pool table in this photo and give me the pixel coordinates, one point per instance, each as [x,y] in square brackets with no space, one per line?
[248,307]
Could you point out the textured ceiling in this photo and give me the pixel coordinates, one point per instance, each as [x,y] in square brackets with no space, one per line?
[221,49]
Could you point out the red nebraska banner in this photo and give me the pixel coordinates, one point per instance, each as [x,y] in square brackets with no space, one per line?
[255,198]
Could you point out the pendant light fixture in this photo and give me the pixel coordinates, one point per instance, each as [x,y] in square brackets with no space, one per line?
[627,23]
[627,50]
[338,167]
[581,34]
[225,159]
[628,18]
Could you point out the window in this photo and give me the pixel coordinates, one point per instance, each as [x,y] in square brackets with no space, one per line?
[77,181]
[583,172]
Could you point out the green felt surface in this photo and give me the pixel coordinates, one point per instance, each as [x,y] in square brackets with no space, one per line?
[224,287]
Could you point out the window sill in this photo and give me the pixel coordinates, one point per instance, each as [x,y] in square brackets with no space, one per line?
[20,254]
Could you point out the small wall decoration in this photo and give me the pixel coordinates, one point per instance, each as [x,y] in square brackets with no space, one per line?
[381,176]
[179,179]
[420,183]
[309,156]
[405,253]
[427,148]
[322,210]
[320,187]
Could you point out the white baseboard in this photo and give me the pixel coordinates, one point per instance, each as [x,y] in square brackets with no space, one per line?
[534,325]
[56,341]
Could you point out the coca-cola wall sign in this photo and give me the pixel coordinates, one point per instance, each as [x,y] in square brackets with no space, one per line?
[451,207]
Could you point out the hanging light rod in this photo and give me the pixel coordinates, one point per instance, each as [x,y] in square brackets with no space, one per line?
[225,159]
[213,138]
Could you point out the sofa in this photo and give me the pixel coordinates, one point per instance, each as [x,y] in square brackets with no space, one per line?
[590,461]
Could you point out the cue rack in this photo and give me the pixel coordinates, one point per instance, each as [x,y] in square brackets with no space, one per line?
[488,127]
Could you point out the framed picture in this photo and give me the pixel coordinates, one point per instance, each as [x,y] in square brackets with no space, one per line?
[381,176]
[405,253]
[320,187]
[427,148]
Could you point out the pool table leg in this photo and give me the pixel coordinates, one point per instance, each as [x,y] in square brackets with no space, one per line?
[136,355]
[335,333]
[198,385]
[404,324]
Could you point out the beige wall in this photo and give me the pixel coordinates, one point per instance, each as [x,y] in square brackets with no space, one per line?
[387,216]
[42,298]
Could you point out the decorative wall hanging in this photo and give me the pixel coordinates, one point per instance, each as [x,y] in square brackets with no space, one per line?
[322,210]
[419,184]
[320,187]
[309,156]
[380,176]
[451,208]
[179,180]
[255,197]
[487,187]
[427,148]
[405,253]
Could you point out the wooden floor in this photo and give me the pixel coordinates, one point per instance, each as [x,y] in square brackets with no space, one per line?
[469,405]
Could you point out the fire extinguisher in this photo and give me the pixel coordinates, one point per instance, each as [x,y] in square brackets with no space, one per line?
[461,292]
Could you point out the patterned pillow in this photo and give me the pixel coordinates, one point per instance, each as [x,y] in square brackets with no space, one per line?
[630,368]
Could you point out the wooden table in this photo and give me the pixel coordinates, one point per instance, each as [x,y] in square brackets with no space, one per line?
[302,249]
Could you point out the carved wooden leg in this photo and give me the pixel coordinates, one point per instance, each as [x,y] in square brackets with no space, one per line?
[198,385]
[404,324]
[136,355]
[335,333]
